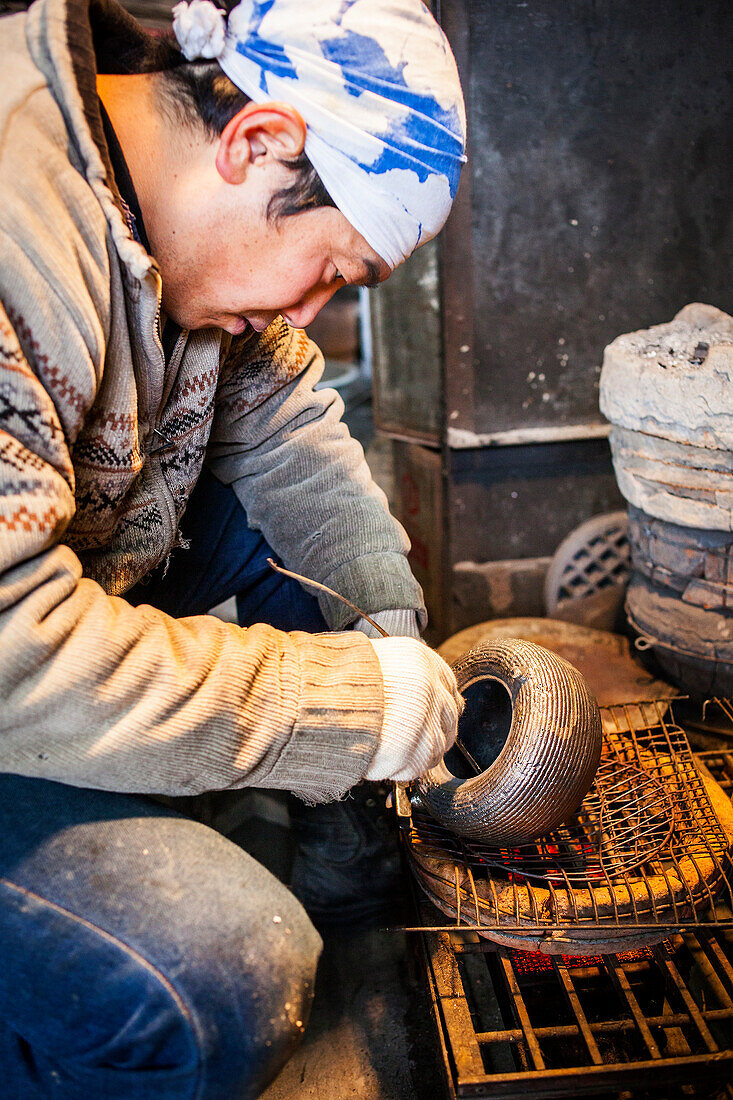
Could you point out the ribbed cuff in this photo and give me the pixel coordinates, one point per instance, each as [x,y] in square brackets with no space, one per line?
[339,720]
[398,624]
[381,582]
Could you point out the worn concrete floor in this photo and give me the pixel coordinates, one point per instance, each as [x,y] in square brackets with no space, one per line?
[369,1036]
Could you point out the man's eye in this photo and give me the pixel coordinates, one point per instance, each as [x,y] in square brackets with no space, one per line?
[338,276]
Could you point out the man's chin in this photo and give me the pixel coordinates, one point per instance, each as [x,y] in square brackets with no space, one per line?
[260,321]
[235,326]
[229,323]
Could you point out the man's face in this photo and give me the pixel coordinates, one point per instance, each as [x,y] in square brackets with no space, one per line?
[233,270]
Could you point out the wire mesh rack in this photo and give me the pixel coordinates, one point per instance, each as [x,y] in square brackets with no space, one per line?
[647,848]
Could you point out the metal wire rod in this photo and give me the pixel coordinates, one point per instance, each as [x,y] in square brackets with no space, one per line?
[330,591]
[324,588]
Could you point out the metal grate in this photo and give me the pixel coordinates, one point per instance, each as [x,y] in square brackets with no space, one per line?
[645,848]
[720,765]
[596,555]
[655,1022]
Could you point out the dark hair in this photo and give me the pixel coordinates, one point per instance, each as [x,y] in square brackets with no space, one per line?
[201,92]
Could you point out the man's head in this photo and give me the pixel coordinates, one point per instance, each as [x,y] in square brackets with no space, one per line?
[244,230]
[312,151]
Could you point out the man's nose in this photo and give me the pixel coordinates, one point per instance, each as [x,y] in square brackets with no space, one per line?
[307,309]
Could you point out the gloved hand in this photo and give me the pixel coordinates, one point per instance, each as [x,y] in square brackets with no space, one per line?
[421,709]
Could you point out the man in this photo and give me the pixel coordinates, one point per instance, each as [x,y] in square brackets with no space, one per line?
[165,236]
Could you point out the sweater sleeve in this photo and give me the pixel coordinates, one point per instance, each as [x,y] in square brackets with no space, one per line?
[100,694]
[303,481]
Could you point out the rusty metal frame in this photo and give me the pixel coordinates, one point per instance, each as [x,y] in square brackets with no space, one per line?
[499,1039]
[683,1026]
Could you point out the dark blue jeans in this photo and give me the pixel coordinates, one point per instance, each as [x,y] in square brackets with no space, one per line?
[145,957]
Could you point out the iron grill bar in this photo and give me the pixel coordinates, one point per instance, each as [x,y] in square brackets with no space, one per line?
[549,930]
[702,961]
[574,1002]
[520,1009]
[687,999]
[601,1027]
[455,1013]
[714,953]
[587,1080]
[618,977]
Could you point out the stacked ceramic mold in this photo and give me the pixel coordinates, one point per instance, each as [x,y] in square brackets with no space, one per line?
[668,393]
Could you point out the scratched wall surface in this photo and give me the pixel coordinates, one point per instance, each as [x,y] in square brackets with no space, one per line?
[406,329]
[601,169]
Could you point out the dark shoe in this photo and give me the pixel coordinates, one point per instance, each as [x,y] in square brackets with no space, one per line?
[346,867]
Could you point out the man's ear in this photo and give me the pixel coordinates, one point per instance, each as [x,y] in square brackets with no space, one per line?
[259,130]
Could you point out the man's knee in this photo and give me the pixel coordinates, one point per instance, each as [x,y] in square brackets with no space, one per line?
[177,949]
[250,987]
[235,946]
[215,1017]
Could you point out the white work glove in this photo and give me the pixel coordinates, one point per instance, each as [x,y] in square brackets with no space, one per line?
[421,709]
[398,624]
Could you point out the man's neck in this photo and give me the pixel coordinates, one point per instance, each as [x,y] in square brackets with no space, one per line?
[150,144]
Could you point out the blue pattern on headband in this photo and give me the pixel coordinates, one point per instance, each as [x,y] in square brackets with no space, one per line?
[427,140]
[366,67]
[259,51]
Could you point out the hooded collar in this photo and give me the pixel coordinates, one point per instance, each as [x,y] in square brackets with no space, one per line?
[70,42]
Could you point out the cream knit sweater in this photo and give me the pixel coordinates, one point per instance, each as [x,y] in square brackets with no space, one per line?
[101,443]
